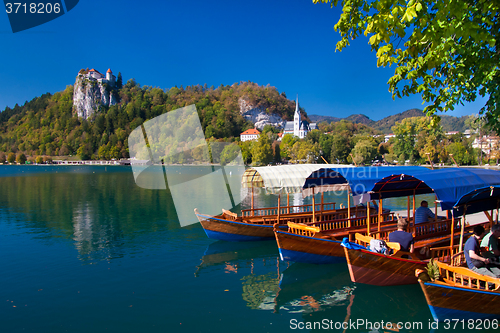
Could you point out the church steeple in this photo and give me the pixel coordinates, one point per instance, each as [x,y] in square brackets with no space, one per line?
[296,118]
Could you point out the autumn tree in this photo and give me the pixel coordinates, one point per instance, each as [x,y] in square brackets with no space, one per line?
[261,151]
[11,158]
[448,51]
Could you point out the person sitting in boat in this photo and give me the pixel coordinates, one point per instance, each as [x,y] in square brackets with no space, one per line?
[423,213]
[490,241]
[475,261]
[405,239]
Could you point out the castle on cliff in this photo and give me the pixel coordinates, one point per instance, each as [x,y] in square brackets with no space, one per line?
[93,89]
[93,74]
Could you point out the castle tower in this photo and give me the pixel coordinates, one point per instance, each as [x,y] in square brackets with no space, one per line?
[296,119]
[109,75]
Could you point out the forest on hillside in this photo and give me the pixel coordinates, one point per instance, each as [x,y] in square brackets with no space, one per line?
[46,127]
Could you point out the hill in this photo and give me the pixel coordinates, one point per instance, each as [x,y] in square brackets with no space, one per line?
[449,123]
[48,125]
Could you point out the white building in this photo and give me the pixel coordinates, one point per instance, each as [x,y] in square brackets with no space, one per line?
[251,134]
[96,75]
[387,137]
[298,127]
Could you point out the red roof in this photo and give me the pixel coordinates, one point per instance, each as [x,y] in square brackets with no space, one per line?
[250,132]
[109,70]
[93,70]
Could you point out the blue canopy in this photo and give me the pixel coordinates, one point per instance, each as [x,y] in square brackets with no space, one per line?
[478,200]
[360,179]
[453,186]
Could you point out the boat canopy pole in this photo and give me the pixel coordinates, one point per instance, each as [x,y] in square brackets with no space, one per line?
[452,240]
[408,211]
[379,213]
[322,207]
[348,206]
[252,203]
[314,204]
[498,201]
[288,202]
[413,207]
[368,218]
[279,207]
[436,209]
[462,230]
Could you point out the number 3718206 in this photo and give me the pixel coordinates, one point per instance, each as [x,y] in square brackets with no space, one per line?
[32,8]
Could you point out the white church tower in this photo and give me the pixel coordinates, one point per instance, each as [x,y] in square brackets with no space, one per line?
[296,119]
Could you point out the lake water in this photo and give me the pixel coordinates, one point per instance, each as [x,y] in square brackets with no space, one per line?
[84,249]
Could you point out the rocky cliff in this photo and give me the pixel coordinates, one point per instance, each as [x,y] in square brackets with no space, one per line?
[89,94]
[258,115]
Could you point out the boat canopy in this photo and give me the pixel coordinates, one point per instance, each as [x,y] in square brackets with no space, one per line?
[283,178]
[478,200]
[454,187]
[360,179]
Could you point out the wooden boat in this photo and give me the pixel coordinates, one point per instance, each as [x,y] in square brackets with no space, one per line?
[461,294]
[257,223]
[323,246]
[319,243]
[230,227]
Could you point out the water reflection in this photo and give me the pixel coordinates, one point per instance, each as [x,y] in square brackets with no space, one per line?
[234,255]
[100,209]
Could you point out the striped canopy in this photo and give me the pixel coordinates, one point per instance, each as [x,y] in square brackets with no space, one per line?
[283,178]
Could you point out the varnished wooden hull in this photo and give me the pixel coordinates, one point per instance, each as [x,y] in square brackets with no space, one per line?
[219,228]
[378,269]
[313,250]
[454,302]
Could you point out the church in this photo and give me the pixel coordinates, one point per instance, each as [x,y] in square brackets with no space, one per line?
[298,127]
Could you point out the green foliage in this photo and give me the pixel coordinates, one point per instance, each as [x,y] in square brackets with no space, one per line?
[21,158]
[415,137]
[433,270]
[11,158]
[364,151]
[261,151]
[448,51]
[286,145]
[304,152]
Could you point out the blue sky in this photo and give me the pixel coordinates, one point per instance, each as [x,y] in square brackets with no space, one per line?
[289,44]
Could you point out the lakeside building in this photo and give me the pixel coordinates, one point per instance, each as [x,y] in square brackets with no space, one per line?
[250,134]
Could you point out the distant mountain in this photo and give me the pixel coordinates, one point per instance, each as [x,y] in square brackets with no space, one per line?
[360,119]
[317,119]
[386,123]
[449,123]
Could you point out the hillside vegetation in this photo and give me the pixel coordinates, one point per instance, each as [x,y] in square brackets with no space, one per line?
[46,125]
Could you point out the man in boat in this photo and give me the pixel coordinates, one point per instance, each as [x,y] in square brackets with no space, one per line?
[423,213]
[405,239]
[475,261]
[490,241]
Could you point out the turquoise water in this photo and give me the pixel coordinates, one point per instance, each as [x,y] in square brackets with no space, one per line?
[86,250]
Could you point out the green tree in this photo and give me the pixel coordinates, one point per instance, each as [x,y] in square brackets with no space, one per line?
[364,151]
[262,153]
[11,158]
[21,158]
[340,149]
[446,50]
[304,152]
[286,145]
[229,154]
